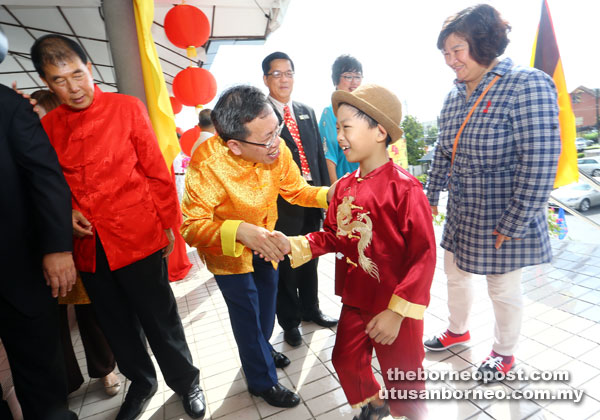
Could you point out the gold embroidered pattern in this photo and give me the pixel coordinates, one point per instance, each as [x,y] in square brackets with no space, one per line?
[349,261]
[361,229]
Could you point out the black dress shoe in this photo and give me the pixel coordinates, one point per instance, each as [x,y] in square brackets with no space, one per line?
[280,359]
[370,412]
[278,396]
[292,337]
[321,319]
[135,405]
[193,403]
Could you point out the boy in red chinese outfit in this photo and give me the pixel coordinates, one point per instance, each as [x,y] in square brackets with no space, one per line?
[379,225]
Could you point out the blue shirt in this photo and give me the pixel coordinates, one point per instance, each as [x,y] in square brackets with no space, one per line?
[503,171]
[333,151]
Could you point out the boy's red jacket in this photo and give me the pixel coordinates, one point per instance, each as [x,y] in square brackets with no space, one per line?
[380,227]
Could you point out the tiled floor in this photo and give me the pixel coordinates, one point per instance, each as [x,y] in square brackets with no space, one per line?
[561,331]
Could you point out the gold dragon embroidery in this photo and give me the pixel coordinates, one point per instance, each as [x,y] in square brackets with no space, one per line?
[362,229]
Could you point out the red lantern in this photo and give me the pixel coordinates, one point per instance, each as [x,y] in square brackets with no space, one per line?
[188,139]
[175,104]
[194,86]
[187,27]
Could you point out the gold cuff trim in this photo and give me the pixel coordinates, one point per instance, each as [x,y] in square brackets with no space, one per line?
[406,308]
[301,252]
[322,197]
[230,247]
[365,402]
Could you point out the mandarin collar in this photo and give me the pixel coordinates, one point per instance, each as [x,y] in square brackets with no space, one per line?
[374,172]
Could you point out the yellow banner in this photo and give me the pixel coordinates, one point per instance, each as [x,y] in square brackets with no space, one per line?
[398,153]
[157,96]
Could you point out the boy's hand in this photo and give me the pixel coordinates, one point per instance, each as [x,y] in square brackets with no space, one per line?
[283,243]
[384,327]
[280,240]
[262,241]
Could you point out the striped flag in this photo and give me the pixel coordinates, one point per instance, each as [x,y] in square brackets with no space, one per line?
[547,58]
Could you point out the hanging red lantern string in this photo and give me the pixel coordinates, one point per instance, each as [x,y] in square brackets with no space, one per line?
[194,86]
[187,27]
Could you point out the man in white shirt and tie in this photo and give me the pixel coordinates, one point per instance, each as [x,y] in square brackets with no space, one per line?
[297,298]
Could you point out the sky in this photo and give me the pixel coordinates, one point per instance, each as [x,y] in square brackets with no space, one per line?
[395,40]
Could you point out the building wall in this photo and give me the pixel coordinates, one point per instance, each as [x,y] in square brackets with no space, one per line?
[584,107]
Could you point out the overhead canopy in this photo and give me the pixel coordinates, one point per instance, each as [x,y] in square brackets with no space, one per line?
[232,21]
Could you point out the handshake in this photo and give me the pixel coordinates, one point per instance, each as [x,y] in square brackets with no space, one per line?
[272,246]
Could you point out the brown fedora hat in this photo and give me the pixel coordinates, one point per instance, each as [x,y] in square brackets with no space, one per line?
[375,101]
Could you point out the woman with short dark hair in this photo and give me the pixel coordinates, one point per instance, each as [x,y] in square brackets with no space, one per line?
[497,154]
[347,75]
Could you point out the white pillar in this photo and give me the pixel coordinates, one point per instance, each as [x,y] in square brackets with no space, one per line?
[121,33]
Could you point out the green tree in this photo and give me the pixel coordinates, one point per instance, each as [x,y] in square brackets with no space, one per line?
[413,132]
[431,136]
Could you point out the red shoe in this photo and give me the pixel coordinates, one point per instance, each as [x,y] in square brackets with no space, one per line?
[444,341]
[494,369]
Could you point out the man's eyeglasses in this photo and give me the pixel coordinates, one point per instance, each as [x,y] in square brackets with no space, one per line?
[278,74]
[350,77]
[270,143]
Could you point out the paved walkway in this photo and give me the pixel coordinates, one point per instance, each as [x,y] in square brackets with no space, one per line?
[561,331]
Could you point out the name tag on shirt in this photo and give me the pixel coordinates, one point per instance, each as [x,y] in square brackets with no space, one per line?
[304,117]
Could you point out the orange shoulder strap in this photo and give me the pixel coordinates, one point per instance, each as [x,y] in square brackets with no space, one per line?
[462,127]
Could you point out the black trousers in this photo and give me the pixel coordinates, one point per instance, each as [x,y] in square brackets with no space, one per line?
[100,358]
[299,288]
[136,300]
[36,363]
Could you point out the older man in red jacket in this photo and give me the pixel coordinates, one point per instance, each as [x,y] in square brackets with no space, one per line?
[124,205]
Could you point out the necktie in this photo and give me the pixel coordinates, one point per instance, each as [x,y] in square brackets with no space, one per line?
[293,129]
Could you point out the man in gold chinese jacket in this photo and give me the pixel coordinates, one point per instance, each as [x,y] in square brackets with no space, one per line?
[230,210]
